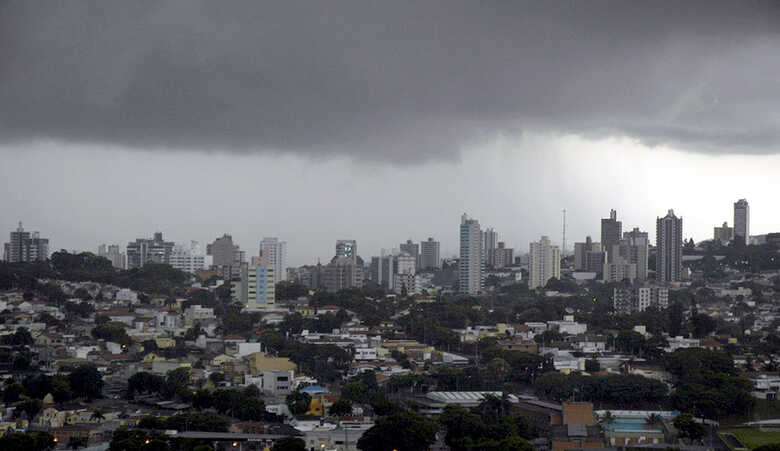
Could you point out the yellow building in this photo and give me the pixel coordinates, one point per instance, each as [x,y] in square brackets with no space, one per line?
[320,404]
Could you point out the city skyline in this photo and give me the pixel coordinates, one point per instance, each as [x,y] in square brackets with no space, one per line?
[451,251]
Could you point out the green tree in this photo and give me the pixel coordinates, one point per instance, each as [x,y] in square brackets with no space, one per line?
[592,366]
[86,381]
[30,407]
[27,441]
[78,441]
[13,392]
[298,402]
[407,430]
[689,428]
[340,408]
[289,444]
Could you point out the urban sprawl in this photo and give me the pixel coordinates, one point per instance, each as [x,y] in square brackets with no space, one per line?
[619,344]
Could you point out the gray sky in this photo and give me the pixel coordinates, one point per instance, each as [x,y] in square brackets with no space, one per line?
[380,121]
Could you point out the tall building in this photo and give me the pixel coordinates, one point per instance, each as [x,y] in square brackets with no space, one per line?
[341,273]
[226,257]
[255,288]
[471,266]
[742,221]
[611,231]
[145,250]
[429,254]
[25,247]
[188,258]
[669,244]
[347,249]
[502,256]
[588,256]
[412,249]
[489,244]
[544,263]
[723,234]
[113,253]
[633,249]
[274,253]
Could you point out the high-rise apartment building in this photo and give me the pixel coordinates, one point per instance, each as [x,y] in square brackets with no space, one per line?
[255,288]
[274,253]
[412,249]
[113,253]
[188,258]
[723,234]
[144,251]
[669,245]
[429,254]
[347,249]
[25,247]
[627,301]
[634,249]
[502,256]
[226,257]
[544,263]
[489,245]
[341,273]
[589,257]
[471,266]
[611,231]
[742,221]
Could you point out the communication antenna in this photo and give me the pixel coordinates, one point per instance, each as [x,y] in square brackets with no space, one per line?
[563,247]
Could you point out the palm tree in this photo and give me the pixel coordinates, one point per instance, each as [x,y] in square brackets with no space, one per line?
[97,415]
[654,419]
[607,418]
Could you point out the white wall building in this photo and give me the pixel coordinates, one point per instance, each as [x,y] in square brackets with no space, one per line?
[471,267]
[188,258]
[274,253]
[544,264]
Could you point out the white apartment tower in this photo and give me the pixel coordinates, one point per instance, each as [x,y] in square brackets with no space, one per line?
[544,263]
[742,221]
[274,253]
[472,257]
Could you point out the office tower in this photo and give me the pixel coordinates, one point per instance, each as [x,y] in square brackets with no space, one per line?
[742,222]
[145,250]
[472,258]
[114,255]
[634,249]
[489,243]
[274,253]
[25,247]
[544,263]
[669,244]
[188,258]
[308,275]
[429,254]
[347,249]
[412,249]
[502,256]
[226,257]
[255,287]
[611,231]
[723,234]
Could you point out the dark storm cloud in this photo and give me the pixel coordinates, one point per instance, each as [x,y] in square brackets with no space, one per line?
[390,80]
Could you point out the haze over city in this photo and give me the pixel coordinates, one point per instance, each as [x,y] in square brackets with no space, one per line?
[289,120]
